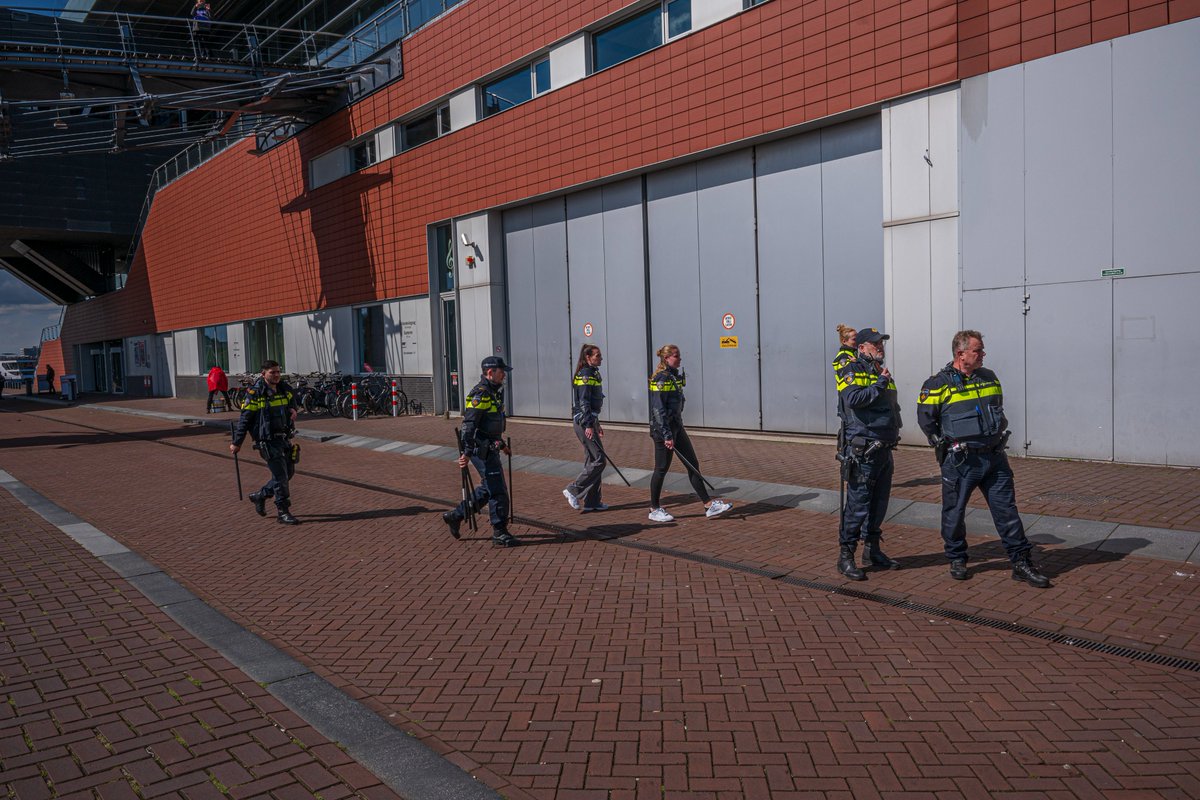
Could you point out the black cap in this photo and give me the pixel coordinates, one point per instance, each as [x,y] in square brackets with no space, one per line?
[494,362]
[871,335]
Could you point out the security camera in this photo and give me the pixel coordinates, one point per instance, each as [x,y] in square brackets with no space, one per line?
[466,242]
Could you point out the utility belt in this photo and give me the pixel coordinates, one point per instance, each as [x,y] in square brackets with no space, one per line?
[862,447]
[947,447]
[857,451]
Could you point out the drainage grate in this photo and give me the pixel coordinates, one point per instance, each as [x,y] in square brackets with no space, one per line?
[1131,653]
[1072,498]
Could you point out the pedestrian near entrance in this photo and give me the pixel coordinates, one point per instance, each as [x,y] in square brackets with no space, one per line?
[961,410]
[871,423]
[482,444]
[847,347]
[269,416]
[669,435]
[588,389]
[218,381]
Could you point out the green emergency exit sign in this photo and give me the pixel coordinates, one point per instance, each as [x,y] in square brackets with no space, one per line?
[1111,273]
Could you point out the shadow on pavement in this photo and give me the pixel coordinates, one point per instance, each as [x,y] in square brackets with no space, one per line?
[378,513]
[68,440]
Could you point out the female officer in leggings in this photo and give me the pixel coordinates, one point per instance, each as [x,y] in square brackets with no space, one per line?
[588,389]
[666,429]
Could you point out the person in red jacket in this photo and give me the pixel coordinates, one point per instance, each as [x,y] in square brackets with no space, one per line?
[218,382]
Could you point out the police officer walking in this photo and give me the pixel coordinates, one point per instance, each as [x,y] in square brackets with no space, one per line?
[871,421]
[483,442]
[269,416]
[961,410]
[588,389]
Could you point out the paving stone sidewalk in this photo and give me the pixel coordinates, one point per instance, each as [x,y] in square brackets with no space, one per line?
[596,668]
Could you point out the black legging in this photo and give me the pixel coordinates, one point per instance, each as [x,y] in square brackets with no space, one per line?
[662,462]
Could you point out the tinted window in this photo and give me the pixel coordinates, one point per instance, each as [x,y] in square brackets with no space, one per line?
[444,120]
[421,11]
[541,76]
[362,155]
[679,17]
[420,131]
[627,39]
[507,92]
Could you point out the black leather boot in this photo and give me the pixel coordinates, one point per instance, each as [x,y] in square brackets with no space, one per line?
[958,569]
[502,538]
[454,522]
[873,555]
[1024,570]
[286,518]
[260,503]
[846,565]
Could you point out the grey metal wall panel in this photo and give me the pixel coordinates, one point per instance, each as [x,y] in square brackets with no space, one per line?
[553,326]
[996,313]
[1156,172]
[626,359]
[797,381]
[1069,395]
[728,285]
[1155,381]
[852,229]
[585,240]
[522,318]
[992,169]
[1068,165]
[675,275]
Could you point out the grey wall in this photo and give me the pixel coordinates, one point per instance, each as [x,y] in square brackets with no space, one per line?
[1072,165]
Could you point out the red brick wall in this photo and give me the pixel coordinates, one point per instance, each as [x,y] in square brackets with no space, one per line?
[242,237]
[52,355]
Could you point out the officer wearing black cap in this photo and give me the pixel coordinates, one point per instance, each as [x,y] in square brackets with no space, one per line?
[961,410]
[867,403]
[483,442]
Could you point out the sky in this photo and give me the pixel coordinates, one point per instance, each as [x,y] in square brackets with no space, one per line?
[23,314]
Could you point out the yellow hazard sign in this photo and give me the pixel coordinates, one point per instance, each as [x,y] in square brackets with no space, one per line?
[729,343]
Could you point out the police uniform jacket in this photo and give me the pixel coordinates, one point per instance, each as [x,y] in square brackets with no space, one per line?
[265,414]
[961,408]
[842,357]
[483,418]
[867,402]
[666,403]
[588,388]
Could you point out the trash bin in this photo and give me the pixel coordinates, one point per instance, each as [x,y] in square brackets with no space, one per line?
[70,391]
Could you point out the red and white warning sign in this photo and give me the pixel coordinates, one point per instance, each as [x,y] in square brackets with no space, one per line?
[728,321]
[587,329]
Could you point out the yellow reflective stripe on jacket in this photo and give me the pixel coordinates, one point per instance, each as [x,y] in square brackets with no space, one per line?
[665,386]
[860,379]
[945,395]
[581,381]
[482,402]
[259,402]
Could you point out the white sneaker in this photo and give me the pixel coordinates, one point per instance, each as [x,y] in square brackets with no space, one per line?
[717,508]
[597,507]
[660,515]
[571,499]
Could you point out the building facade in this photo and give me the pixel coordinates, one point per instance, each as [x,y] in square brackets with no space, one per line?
[735,178]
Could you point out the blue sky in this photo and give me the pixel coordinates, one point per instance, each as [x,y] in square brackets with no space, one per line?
[23,314]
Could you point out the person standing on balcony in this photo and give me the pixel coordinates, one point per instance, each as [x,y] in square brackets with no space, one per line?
[202,28]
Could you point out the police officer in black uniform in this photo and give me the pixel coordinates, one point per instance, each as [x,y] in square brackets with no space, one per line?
[269,416]
[483,442]
[961,410]
[588,389]
[871,420]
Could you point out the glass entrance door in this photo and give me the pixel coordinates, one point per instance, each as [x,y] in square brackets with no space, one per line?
[454,387]
[116,360]
[99,382]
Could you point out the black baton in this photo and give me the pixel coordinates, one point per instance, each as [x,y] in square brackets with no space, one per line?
[237,468]
[508,444]
[692,467]
[600,447]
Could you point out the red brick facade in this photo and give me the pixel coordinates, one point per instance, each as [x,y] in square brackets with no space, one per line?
[243,237]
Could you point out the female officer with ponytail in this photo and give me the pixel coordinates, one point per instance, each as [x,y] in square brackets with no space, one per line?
[666,429]
[588,389]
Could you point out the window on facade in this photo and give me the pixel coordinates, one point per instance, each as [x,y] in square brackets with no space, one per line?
[509,91]
[541,76]
[215,343]
[634,36]
[444,255]
[363,154]
[372,344]
[425,129]
[421,11]
[264,341]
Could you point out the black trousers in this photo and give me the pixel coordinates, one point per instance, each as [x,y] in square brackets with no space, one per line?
[587,486]
[278,455]
[662,462]
[491,488]
[962,473]
[868,490]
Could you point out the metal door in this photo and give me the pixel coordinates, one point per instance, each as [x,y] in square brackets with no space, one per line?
[999,315]
[796,376]
[1068,356]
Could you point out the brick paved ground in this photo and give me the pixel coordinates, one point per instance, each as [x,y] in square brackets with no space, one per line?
[107,697]
[1160,497]
[587,669]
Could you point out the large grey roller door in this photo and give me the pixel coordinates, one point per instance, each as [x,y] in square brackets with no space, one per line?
[539,340]
[796,376]
[607,289]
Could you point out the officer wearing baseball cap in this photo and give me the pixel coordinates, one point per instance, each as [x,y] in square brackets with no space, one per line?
[483,442]
[870,410]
